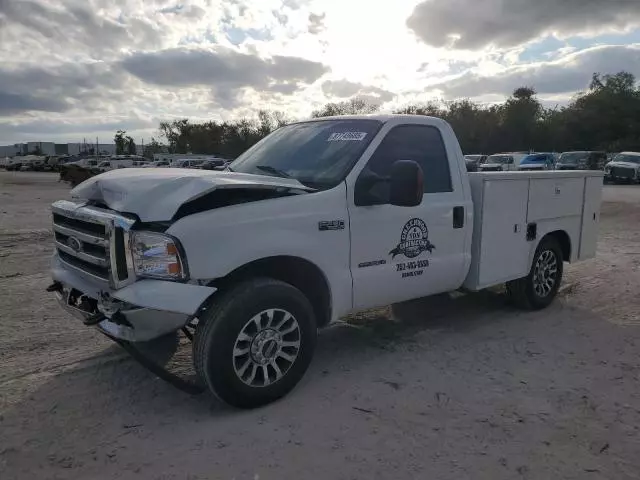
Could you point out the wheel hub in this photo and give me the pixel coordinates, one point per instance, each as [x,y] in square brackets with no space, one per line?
[265,345]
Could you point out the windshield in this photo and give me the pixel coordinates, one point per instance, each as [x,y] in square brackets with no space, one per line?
[573,157]
[104,164]
[318,154]
[627,158]
[535,159]
[499,159]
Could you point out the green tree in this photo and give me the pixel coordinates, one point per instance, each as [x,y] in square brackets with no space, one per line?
[354,106]
[121,142]
[151,148]
[606,116]
[130,145]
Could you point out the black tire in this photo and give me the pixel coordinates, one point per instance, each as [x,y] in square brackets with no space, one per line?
[220,327]
[523,292]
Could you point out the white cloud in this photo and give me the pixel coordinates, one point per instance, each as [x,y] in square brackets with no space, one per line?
[476,24]
[566,75]
[83,66]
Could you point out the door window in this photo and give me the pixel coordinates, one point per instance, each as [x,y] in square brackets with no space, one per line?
[422,144]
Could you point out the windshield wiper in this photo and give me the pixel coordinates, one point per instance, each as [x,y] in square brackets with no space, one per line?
[273,171]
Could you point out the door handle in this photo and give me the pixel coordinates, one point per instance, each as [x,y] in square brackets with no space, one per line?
[458,217]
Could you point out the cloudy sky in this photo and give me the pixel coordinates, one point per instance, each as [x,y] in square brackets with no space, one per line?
[80,68]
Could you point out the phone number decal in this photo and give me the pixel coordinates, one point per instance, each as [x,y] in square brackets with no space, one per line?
[412,269]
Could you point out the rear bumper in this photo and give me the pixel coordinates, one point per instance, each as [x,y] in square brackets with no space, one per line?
[142,311]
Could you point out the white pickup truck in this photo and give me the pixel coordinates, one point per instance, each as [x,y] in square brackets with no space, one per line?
[320,219]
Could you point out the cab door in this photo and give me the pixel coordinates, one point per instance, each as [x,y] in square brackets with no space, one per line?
[400,253]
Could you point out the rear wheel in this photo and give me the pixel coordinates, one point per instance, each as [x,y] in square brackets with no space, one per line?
[538,289]
[255,343]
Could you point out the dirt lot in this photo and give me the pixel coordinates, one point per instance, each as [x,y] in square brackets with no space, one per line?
[474,389]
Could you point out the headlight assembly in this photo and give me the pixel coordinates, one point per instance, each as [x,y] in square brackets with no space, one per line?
[157,256]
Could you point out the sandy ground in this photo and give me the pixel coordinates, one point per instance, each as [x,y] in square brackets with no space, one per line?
[473,389]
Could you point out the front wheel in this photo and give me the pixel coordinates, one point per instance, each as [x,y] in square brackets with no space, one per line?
[255,342]
[538,289]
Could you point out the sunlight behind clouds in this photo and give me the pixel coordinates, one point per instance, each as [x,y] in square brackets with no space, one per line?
[94,62]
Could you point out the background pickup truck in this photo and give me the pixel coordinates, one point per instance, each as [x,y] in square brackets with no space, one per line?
[318,220]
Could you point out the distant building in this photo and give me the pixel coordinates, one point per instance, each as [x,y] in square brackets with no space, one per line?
[62,149]
[90,148]
[51,148]
[41,148]
[10,150]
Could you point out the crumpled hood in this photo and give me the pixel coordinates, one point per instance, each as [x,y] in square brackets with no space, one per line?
[623,164]
[156,194]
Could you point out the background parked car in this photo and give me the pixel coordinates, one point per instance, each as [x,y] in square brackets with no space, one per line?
[158,164]
[187,163]
[214,164]
[625,168]
[13,164]
[502,162]
[582,160]
[474,161]
[538,161]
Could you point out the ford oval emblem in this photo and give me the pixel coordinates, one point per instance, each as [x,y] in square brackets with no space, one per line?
[74,244]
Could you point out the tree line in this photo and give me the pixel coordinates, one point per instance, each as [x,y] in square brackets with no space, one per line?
[604,117]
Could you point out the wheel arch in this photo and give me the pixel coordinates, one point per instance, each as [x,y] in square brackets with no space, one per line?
[303,274]
[564,240]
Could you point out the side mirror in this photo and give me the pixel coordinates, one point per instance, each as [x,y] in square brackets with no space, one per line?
[406,184]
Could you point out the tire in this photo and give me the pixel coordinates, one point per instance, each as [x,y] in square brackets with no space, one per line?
[533,292]
[231,352]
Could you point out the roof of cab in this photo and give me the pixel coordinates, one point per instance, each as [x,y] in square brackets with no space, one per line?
[376,116]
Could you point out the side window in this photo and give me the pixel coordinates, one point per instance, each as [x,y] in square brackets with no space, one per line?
[422,144]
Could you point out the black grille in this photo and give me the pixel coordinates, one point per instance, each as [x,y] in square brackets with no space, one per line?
[89,228]
[95,250]
[95,270]
[82,244]
[623,172]
[121,262]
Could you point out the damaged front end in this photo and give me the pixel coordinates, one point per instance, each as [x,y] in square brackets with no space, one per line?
[131,285]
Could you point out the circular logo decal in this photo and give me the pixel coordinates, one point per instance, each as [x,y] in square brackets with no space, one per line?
[414,240]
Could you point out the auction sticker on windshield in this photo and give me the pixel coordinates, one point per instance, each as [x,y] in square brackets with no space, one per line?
[347,137]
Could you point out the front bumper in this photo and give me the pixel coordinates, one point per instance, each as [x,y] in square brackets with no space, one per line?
[621,174]
[139,312]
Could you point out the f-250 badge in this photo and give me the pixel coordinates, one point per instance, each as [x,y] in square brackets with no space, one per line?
[414,240]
